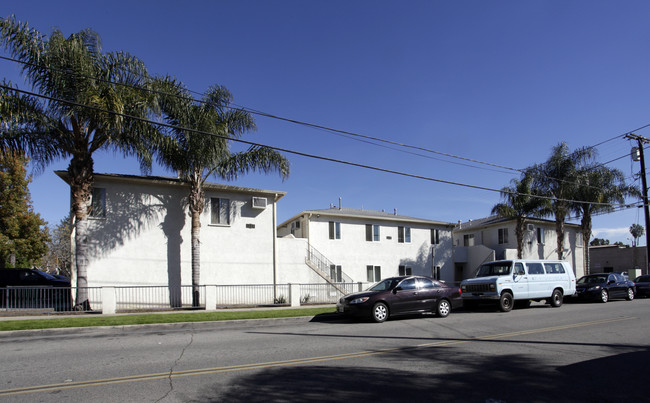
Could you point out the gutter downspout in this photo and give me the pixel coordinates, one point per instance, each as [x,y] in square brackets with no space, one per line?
[275,248]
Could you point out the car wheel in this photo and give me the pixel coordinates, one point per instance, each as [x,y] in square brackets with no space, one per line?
[379,312]
[604,296]
[630,294]
[556,299]
[443,309]
[505,302]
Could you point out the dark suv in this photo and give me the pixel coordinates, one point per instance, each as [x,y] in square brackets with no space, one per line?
[30,288]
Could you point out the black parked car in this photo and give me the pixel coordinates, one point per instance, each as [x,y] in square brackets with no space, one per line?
[34,289]
[642,284]
[605,286]
[400,296]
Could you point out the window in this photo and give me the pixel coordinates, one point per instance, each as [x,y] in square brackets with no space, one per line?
[336,273]
[408,284]
[535,268]
[220,211]
[403,234]
[98,203]
[468,240]
[335,230]
[425,283]
[372,232]
[554,268]
[519,269]
[435,237]
[374,273]
[405,271]
[503,235]
[540,236]
[579,239]
[295,226]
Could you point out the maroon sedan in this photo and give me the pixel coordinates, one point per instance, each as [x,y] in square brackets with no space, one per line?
[401,296]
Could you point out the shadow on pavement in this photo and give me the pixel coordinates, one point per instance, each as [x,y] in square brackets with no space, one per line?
[444,375]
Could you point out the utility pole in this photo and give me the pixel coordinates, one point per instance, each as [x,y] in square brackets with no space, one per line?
[644,196]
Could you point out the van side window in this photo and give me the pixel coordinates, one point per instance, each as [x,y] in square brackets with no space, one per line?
[554,268]
[519,269]
[535,268]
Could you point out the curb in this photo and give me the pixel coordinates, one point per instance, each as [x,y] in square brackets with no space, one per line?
[178,326]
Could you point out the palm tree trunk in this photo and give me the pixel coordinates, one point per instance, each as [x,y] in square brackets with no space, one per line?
[196,257]
[81,182]
[81,261]
[559,229]
[519,233]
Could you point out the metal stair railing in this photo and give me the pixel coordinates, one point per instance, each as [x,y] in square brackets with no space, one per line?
[322,265]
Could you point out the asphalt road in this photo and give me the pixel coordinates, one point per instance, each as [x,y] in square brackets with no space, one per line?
[579,352]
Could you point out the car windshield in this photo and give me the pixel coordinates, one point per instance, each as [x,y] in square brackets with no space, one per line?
[592,280]
[494,269]
[642,279]
[385,285]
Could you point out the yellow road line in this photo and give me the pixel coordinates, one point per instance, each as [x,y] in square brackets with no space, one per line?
[298,361]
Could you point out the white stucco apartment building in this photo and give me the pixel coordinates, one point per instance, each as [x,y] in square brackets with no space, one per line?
[140,233]
[494,238]
[364,246]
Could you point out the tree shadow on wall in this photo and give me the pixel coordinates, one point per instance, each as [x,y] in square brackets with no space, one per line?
[132,213]
[442,375]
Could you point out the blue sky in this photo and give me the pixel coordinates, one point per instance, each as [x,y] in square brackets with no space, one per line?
[495,81]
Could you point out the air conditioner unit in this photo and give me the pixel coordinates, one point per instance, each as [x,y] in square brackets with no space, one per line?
[259,202]
[530,227]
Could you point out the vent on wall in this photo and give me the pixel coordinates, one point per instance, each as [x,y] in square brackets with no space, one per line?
[259,202]
[530,227]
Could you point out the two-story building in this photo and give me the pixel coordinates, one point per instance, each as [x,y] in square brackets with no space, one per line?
[493,238]
[139,233]
[363,245]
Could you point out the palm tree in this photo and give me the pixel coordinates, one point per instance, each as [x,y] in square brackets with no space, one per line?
[556,178]
[83,96]
[597,188]
[520,203]
[197,148]
[637,232]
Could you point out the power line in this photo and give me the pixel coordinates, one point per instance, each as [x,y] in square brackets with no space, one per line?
[289,151]
[345,133]
[355,136]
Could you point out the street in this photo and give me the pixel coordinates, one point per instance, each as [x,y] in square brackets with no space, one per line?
[578,352]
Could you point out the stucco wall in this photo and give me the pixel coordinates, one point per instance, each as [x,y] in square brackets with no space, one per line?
[488,236]
[292,268]
[145,239]
[353,253]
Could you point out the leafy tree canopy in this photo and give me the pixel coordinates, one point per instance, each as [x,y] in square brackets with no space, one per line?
[23,234]
[599,242]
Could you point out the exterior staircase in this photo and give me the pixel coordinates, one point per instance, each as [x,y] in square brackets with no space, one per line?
[323,267]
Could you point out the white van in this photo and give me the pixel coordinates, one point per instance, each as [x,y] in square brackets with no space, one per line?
[507,281]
